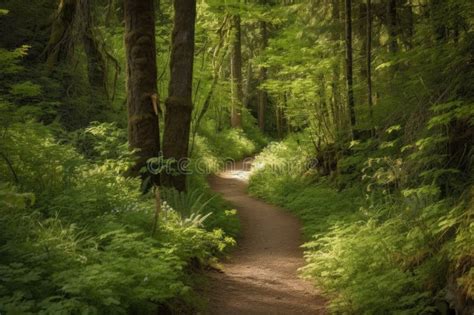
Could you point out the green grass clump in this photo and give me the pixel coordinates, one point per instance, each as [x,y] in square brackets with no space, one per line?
[319,206]
[280,176]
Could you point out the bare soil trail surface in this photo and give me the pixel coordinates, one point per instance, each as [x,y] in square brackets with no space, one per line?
[261,275]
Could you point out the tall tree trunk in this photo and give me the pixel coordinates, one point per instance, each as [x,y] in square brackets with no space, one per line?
[236,73]
[349,79]
[437,11]
[262,94]
[61,39]
[179,104]
[360,91]
[143,130]
[410,25]
[362,23]
[96,71]
[248,86]
[337,38]
[392,26]
[280,119]
[369,62]
[96,65]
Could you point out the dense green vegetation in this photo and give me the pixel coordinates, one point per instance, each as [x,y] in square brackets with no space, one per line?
[75,234]
[388,213]
[362,112]
[406,242]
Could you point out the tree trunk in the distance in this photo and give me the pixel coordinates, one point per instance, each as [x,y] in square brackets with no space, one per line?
[350,87]
[236,73]
[369,63]
[179,102]
[60,40]
[392,26]
[337,37]
[262,94]
[143,130]
[96,63]
[362,28]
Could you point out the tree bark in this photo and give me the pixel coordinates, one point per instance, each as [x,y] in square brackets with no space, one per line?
[236,73]
[362,23]
[410,26]
[96,65]
[96,70]
[278,121]
[61,38]
[179,102]
[280,118]
[369,62]
[392,25]
[349,65]
[262,94]
[337,37]
[143,130]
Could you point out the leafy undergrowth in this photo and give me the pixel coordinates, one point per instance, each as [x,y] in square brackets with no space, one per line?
[317,204]
[213,147]
[388,243]
[75,235]
[213,151]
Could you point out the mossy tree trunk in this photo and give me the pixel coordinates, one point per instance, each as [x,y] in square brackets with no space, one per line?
[61,38]
[143,130]
[96,65]
[73,25]
[179,102]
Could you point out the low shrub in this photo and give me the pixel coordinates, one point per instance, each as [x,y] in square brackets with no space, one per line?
[388,243]
[75,235]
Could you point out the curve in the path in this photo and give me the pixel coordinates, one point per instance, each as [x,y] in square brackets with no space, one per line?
[261,275]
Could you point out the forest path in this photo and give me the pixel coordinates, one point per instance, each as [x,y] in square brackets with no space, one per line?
[261,275]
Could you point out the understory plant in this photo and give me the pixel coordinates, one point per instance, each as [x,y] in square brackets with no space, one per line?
[386,241]
[75,233]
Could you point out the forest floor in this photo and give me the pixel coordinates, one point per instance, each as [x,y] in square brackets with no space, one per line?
[260,277]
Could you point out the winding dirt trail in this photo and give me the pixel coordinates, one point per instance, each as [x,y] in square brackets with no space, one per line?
[261,275]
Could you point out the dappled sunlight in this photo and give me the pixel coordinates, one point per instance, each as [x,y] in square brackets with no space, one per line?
[241,175]
[320,152]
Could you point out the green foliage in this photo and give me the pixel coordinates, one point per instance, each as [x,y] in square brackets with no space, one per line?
[388,217]
[405,257]
[230,144]
[10,60]
[75,232]
[406,248]
[351,261]
[102,141]
[12,199]
[282,177]
[25,89]
[187,204]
